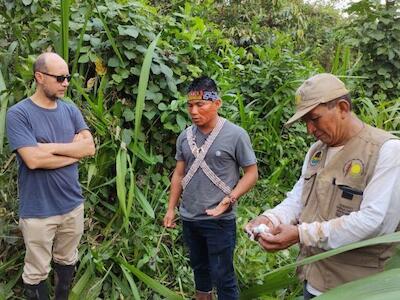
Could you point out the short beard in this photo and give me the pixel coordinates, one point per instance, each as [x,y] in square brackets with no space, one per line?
[51,96]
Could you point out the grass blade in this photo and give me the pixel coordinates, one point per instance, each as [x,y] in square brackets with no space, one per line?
[144,203]
[143,81]
[3,111]
[132,284]
[80,286]
[120,178]
[110,37]
[131,191]
[65,6]
[80,41]
[150,282]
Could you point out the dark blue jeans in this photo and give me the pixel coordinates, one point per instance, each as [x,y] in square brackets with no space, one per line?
[211,245]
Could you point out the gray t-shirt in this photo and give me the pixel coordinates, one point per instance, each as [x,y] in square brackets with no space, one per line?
[231,150]
[45,193]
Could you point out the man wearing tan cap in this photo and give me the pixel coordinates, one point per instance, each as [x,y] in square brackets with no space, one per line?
[349,190]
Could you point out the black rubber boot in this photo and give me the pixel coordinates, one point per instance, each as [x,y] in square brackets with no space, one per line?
[63,280]
[37,291]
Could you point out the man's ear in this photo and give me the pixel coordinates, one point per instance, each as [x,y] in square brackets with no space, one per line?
[343,105]
[38,77]
[218,103]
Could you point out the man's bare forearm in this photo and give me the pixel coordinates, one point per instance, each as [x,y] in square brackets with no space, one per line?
[176,186]
[56,161]
[175,192]
[76,149]
[247,181]
[35,158]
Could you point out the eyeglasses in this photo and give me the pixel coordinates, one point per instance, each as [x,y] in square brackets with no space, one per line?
[59,78]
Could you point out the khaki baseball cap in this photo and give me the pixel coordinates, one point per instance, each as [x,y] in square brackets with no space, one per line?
[318,89]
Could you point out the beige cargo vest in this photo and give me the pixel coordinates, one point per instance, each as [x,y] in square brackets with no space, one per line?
[335,190]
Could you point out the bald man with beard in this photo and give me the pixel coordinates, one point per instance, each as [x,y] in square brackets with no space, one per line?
[49,137]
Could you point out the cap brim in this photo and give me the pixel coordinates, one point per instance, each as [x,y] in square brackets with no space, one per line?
[299,114]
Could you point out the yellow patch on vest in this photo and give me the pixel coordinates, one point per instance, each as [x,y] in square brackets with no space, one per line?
[353,168]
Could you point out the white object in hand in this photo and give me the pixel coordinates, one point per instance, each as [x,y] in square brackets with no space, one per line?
[261,228]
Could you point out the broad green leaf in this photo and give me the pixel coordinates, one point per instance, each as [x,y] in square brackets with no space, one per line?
[166,70]
[181,121]
[162,106]
[27,2]
[130,54]
[377,35]
[128,114]
[113,62]
[83,59]
[150,114]
[259,290]
[382,286]
[128,30]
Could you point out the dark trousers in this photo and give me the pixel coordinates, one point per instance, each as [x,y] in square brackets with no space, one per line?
[211,245]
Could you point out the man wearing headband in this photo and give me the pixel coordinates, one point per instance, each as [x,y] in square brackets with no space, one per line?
[349,190]
[209,156]
[49,137]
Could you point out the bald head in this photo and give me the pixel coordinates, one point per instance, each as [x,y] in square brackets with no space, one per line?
[46,59]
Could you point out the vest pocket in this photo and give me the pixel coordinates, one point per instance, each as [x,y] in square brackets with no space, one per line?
[348,199]
[309,179]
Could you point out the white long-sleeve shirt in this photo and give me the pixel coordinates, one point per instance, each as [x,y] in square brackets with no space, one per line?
[378,214]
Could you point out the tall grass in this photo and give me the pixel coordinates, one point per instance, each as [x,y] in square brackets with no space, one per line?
[65,9]
[3,110]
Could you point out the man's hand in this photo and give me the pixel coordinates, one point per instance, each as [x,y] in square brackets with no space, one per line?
[255,222]
[169,221]
[220,208]
[282,237]
[78,137]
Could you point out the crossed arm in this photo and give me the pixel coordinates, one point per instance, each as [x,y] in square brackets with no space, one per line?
[57,155]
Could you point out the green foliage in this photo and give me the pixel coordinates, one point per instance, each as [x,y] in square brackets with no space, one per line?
[384,285]
[375,32]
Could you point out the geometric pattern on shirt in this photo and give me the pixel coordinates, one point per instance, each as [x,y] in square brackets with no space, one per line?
[200,153]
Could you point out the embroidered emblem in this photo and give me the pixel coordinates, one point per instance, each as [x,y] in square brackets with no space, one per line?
[353,168]
[316,158]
